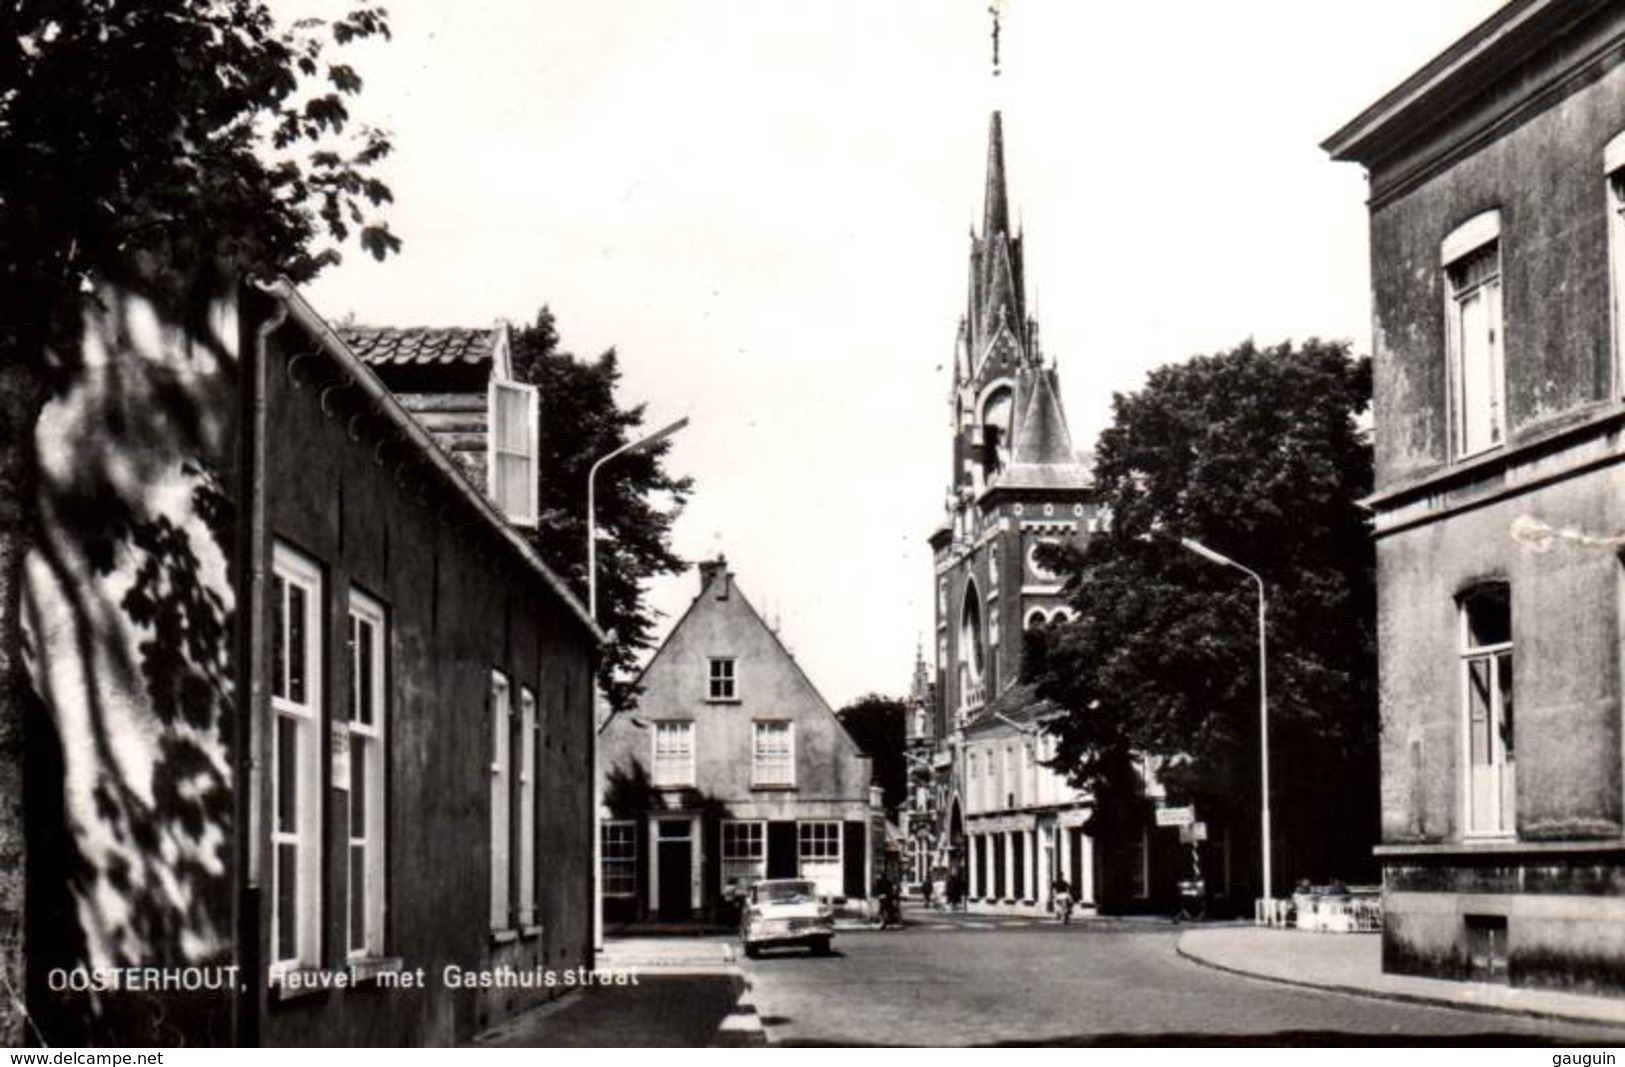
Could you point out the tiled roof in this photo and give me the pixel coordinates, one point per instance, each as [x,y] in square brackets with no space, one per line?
[419,345]
[1019,703]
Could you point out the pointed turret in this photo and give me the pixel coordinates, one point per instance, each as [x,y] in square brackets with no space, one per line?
[1042,435]
[1042,456]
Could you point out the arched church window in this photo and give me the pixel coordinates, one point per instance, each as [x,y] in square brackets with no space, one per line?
[972,640]
[997,415]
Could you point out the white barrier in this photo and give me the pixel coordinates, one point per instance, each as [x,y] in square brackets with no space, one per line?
[1339,914]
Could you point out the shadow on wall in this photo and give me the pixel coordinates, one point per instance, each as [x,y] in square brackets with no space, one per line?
[128,619]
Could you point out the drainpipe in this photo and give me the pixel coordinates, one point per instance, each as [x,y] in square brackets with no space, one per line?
[250,616]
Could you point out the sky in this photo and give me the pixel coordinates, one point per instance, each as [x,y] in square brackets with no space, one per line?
[764,207]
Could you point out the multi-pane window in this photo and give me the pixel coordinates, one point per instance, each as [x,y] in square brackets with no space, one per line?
[744,853]
[722,683]
[1473,335]
[368,648]
[773,759]
[973,780]
[513,449]
[619,854]
[1486,627]
[501,719]
[296,787]
[674,753]
[527,807]
[818,848]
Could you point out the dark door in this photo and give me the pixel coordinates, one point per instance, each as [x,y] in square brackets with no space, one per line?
[1018,864]
[1075,847]
[783,860]
[676,872]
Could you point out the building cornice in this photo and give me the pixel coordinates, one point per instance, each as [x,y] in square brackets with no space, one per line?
[1462,72]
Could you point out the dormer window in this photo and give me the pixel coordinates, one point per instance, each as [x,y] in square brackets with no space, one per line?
[514,426]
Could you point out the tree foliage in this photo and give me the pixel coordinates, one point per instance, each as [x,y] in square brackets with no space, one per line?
[183,133]
[156,146]
[1259,455]
[879,724]
[637,500]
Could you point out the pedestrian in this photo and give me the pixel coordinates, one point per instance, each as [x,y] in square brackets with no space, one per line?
[925,892]
[1061,899]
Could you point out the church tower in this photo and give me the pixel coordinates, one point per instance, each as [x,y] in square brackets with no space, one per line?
[1016,482]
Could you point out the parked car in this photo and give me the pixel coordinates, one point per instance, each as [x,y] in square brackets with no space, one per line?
[785,911]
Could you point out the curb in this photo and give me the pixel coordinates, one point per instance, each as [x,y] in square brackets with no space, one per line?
[1394,996]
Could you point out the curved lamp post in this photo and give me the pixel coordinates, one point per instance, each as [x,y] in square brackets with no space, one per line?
[592,610]
[592,503]
[1263,698]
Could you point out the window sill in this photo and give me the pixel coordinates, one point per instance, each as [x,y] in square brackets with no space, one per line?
[530,932]
[504,937]
[723,700]
[772,787]
[299,983]
[366,970]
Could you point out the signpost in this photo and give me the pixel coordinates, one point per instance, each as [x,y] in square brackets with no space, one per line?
[1181,816]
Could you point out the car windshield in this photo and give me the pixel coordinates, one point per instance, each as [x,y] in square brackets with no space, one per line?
[785,892]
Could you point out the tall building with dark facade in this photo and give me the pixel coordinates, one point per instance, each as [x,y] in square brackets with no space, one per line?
[1009,824]
[1497,184]
[312,742]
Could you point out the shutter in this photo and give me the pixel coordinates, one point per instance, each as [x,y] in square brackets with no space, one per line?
[512,450]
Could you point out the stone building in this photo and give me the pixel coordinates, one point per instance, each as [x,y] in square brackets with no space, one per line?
[732,769]
[1016,485]
[307,698]
[1497,179]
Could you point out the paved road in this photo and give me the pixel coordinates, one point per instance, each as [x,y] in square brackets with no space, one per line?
[979,982]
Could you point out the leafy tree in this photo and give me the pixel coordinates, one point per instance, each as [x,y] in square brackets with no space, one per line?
[879,724]
[637,500]
[142,143]
[1258,454]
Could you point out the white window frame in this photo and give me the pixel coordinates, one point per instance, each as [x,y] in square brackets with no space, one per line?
[673,768]
[619,857]
[818,834]
[739,862]
[722,679]
[1613,168]
[769,769]
[302,711]
[527,807]
[1503,780]
[368,747]
[500,699]
[520,510]
[1478,236]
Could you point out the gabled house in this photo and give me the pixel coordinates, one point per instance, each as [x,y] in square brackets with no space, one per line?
[732,769]
[314,732]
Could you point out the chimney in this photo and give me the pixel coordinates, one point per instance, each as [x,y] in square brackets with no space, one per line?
[715,569]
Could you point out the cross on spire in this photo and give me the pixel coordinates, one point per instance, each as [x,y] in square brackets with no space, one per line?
[994,10]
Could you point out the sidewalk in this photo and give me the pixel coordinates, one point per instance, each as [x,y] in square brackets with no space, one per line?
[687,993]
[1352,963]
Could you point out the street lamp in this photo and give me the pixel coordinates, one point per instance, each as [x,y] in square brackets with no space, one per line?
[1263,698]
[592,504]
[592,610]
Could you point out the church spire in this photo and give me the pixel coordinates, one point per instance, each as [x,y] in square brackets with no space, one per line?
[996,207]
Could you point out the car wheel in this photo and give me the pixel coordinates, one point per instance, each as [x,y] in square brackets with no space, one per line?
[820,947]
[752,951]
